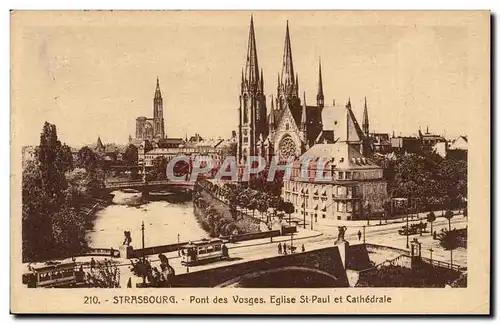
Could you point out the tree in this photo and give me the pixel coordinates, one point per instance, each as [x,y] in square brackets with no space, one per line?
[431,217]
[449,240]
[105,275]
[87,159]
[131,155]
[159,167]
[289,209]
[448,215]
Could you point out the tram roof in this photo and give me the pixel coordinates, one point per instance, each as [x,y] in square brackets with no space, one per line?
[204,242]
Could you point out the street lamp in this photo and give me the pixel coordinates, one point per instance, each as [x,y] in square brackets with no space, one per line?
[364,237]
[407,224]
[143,255]
[178,243]
[304,204]
[431,250]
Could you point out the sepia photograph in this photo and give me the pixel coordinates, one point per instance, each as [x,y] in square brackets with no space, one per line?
[263,151]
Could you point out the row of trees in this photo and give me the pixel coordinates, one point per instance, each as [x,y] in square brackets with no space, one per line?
[432,182]
[243,196]
[54,192]
[211,220]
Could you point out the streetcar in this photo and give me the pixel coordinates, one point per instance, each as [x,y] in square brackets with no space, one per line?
[53,274]
[204,250]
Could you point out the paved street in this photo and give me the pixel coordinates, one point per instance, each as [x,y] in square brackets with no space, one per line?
[263,248]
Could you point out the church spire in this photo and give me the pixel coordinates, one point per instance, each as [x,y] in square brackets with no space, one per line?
[252,65]
[261,80]
[287,74]
[348,106]
[271,115]
[320,98]
[366,127]
[303,120]
[157,91]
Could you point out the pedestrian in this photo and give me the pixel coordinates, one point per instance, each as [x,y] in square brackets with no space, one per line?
[279,248]
[129,282]
[92,264]
[303,248]
[359,235]
[434,235]
[284,249]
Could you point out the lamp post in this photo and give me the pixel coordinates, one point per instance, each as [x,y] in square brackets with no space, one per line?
[431,250]
[364,237]
[143,255]
[304,204]
[407,224]
[178,243]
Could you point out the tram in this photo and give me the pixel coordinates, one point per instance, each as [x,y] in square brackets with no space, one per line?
[204,251]
[53,274]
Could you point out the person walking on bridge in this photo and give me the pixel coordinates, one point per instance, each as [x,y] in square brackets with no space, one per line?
[359,235]
[279,248]
[284,249]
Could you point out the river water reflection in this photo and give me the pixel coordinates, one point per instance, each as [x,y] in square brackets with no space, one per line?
[162,222]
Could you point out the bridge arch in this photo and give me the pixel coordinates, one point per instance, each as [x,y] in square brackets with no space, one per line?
[320,276]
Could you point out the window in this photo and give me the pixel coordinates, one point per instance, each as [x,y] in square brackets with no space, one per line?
[348,217]
[287,127]
[323,215]
[338,217]
[348,175]
[245,139]
[341,175]
[349,206]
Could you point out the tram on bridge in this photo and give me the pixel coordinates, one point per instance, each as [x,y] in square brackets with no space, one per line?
[203,251]
[53,274]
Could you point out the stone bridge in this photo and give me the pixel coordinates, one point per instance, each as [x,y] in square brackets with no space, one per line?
[150,185]
[317,268]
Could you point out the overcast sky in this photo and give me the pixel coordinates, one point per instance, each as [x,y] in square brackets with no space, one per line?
[93,74]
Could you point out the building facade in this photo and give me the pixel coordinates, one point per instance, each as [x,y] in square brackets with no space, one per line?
[356,188]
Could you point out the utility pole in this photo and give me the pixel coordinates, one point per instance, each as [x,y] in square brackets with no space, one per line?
[143,255]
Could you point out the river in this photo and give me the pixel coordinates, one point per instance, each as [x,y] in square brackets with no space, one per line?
[162,222]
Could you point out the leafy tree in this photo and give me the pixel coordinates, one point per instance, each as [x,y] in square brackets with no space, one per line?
[87,159]
[105,275]
[431,217]
[37,234]
[448,215]
[449,240]
[131,155]
[159,167]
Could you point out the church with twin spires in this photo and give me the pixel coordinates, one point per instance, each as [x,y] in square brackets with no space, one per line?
[291,126]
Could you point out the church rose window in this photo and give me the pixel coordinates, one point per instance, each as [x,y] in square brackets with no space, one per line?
[287,147]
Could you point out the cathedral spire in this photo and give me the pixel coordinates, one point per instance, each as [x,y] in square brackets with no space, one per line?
[320,98]
[157,91]
[287,74]
[261,81]
[366,127]
[271,115]
[303,120]
[348,103]
[252,65]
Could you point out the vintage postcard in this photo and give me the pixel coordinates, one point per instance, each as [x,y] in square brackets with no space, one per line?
[303,162]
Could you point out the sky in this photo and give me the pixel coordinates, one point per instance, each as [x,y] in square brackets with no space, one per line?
[93,73]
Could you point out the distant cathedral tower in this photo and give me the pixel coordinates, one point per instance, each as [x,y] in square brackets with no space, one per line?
[158,122]
[152,128]
[253,126]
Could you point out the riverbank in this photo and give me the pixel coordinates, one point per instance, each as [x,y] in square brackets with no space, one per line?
[218,218]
